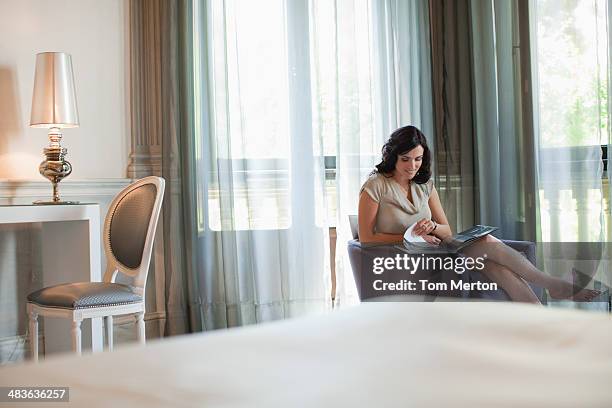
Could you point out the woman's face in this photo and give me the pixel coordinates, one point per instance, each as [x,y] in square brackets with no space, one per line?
[408,163]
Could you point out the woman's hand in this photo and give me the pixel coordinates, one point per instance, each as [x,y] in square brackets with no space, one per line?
[432,239]
[423,227]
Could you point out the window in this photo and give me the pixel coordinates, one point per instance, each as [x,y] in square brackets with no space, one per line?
[573,74]
[251,72]
[572,55]
[249,100]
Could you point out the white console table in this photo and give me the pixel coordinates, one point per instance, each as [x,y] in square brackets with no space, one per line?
[70,253]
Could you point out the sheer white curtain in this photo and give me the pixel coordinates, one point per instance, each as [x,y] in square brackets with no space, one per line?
[285,89]
[571,48]
[372,75]
[263,246]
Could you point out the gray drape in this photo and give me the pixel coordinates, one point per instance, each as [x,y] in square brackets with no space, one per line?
[481,150]
[162,126]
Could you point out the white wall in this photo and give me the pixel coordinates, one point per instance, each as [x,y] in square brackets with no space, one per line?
[94,32]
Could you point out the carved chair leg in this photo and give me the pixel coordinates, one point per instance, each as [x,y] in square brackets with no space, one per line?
[33,317]
[108,324]
[76,336]
[140,326]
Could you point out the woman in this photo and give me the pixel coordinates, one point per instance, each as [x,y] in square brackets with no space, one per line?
[400,193]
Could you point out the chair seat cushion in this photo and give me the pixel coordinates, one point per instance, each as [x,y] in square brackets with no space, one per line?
[84,295]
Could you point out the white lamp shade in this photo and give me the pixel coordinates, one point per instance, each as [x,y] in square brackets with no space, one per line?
[54,99]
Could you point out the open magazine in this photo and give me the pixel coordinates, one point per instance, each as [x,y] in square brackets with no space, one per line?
[454,244]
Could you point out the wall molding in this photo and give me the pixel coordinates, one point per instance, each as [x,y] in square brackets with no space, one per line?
[144,164]
[124,326]
[14,349]
[130,318]
[146,20]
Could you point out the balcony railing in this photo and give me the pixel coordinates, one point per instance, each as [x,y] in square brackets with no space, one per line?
[575,209]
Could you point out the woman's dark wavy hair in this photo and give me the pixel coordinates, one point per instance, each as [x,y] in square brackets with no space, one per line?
[401,141]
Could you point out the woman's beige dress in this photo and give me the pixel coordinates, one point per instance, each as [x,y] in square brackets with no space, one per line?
[395,212]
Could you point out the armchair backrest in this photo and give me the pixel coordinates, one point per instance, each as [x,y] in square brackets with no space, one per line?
[353,222]
[129,230]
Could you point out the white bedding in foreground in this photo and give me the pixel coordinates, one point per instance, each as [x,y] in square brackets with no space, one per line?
[373,355]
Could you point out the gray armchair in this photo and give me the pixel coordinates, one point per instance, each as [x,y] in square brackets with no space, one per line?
[362,256]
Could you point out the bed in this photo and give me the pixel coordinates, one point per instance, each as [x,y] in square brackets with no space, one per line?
[375,354]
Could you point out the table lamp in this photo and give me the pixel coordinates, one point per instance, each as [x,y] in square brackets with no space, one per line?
[54,107]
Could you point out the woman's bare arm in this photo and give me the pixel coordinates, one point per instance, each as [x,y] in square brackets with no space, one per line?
[443,230]
[368,208]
